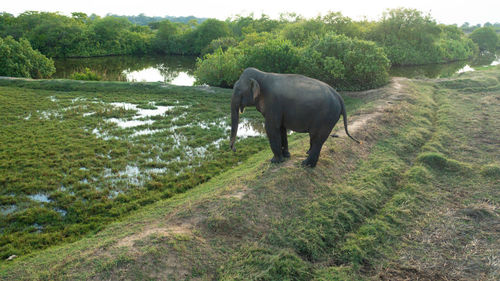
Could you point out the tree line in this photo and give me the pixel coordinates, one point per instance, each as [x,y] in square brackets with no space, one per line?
[332,47]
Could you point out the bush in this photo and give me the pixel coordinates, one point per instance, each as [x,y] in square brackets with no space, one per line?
[485,38]
[275,55]
[221,69]
[349,64]
[87,75]
[18,59]
[346,63]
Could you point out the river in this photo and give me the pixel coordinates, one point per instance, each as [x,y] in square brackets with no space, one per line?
[178,70]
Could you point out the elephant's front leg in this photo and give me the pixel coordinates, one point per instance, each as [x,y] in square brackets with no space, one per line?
[284,143]
[274,134]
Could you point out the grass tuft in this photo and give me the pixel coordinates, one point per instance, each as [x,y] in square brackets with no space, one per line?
[256,263]
[440,162]
[491,170]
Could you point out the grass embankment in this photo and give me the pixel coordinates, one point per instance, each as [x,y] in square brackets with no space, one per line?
[419,193]
[76,156]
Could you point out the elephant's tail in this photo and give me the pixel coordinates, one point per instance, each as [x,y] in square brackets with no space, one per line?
[344,114]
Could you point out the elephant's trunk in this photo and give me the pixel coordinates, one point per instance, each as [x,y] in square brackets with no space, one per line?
[235,116]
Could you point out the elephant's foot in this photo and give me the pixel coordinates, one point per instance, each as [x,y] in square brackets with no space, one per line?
[286,154]
[277,160]
[309,162]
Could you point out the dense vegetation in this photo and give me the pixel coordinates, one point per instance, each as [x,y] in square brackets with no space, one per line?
[347,63]
[290,44]
[142,19]
[333,48]
[409,37]
[18,59]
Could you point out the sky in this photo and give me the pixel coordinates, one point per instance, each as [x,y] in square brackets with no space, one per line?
[448,11]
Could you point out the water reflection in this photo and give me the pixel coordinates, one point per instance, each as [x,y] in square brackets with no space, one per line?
[177,70]
[443,70]
[246,128]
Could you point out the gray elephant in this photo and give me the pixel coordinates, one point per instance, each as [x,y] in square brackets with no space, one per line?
[288,101]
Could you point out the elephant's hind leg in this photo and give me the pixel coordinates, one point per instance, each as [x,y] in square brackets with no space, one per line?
[317,141]
[284,143]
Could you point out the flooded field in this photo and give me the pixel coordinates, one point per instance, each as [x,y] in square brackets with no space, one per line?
[72,161]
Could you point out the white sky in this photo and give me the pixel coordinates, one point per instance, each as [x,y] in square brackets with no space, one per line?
[448,11]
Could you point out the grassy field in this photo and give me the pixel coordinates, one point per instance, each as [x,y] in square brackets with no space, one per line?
[418,200]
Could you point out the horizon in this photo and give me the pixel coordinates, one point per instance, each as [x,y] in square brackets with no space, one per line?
[480,13]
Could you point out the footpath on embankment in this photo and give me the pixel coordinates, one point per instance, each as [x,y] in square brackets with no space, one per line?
[422,185]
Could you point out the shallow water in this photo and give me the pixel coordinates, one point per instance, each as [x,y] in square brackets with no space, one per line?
[443,70]
[141,114]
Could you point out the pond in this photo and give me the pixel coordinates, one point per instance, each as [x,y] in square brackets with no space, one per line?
[177,70]
[442,70]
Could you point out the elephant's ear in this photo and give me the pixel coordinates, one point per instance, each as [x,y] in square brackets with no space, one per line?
[255,88]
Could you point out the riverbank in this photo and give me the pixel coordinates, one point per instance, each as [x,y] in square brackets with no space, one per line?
[389,208]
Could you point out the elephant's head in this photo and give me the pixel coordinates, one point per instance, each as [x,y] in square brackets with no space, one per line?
[246,90]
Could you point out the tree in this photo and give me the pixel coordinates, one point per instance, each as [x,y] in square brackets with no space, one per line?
[18,59]
[485,38]
[206,32]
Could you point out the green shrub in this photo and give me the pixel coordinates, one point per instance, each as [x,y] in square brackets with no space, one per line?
[87,75]
[275,55]
[221,69]
[224,43]
[409,38]
[345,63]
[18,59]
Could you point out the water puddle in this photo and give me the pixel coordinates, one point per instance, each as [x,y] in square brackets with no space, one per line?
[103,135]
[61,211]
[146,132]
[49,114]
[122,123]
[40,197]
[141,114]
[156,170]
[466,68]
[5,210]
[249,129]
[38,227]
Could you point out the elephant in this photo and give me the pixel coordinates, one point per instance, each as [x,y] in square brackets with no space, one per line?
[288,101]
